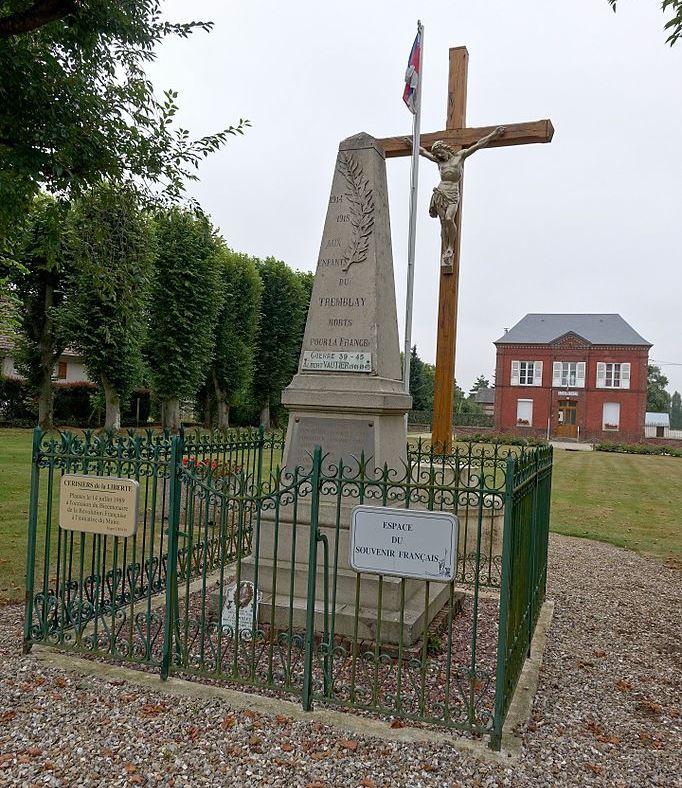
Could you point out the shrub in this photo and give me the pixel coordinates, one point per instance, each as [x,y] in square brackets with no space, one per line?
[639,448]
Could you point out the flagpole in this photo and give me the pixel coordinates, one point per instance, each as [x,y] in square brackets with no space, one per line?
[412,233]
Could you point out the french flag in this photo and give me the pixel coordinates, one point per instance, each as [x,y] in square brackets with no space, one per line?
[412,75]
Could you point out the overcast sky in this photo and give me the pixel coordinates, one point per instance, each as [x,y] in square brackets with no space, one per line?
[588,223]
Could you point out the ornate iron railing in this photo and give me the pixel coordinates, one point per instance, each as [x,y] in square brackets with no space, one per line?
[216,509]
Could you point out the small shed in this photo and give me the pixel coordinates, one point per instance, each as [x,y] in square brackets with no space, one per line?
[657,425]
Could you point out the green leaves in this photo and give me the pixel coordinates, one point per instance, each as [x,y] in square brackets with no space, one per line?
[674,25]
[77,107]
[186,295]
[111,245]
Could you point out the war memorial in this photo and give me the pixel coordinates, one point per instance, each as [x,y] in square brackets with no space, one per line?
[339,563]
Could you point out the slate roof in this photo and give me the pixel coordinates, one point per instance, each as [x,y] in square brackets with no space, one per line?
[484,396]
[599,329]
[657,419]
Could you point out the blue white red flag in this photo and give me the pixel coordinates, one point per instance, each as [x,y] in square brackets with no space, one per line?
[412,75]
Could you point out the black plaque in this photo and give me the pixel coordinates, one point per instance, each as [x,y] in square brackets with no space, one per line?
[343,439]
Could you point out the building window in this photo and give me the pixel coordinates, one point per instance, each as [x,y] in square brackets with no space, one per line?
[61,370]
[526,373]
[567,374]
[611,416]
[613,376]
[524,412]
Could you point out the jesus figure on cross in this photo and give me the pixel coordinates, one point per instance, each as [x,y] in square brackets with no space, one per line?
[446,196]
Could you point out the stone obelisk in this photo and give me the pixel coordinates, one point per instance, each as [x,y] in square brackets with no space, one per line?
[348,398]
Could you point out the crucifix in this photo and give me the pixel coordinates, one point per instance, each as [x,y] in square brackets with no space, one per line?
[455,138]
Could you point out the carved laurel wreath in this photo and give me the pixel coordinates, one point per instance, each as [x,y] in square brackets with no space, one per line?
[361,201]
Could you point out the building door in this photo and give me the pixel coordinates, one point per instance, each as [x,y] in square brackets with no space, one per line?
[568,419]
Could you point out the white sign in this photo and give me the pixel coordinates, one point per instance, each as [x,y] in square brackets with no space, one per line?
[404,542]
[336,361]
[247,602]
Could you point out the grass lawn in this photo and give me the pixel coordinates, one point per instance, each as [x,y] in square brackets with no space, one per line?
[629,500]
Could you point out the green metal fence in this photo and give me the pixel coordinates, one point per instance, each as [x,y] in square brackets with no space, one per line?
[218,509]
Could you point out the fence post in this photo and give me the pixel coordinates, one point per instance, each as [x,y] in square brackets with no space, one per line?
[505,584]
[532,549]
[32,533]
[307,698]
[172,572]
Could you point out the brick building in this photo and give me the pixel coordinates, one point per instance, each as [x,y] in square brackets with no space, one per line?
[572,376]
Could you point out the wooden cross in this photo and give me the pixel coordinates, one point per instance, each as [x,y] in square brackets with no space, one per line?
[458,136]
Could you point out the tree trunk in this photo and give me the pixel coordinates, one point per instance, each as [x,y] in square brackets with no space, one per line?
[265,415]
[170,414]
[48,356]
[222,405]
[46,398]
[112,399]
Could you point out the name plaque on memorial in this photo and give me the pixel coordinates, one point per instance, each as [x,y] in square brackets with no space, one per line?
[248,609]
[404,543]
[320,361]
[98,504]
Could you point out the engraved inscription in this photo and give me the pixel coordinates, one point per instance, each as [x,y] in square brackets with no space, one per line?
[339,438]
[98,504]
[319,361]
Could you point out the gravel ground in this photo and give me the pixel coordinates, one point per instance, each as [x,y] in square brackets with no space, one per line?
[608,711]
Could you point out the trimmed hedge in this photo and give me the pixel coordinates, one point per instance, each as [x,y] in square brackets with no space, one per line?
[639,448]
[16,404]
[507,440]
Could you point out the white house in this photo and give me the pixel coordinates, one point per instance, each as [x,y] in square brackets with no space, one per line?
[68,369]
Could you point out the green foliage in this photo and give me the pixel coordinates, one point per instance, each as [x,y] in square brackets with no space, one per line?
[284,306]
[111,244]
[39,283]
[236,325]
[421,382]
[502,440]
[657,398]
[16,403]
[674,24]
[639,448]
[481,382]
[76,105]
[186,295]
[676,411]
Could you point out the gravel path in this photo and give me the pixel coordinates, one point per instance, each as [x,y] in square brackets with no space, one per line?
[608,710]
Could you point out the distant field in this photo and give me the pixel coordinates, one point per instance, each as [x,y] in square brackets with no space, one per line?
[629,500]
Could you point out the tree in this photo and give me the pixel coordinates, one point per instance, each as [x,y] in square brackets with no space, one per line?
[674,24]
[185,298]
[657,398]
[111,244]
[284,305]
[421,383]
[76,105]
[236,326]
[676,411]
[481,382]
[39,283]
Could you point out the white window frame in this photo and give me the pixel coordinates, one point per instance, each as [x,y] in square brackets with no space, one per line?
[520,420]
[562,376]
[613,375]
[611,425]
[520,373]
